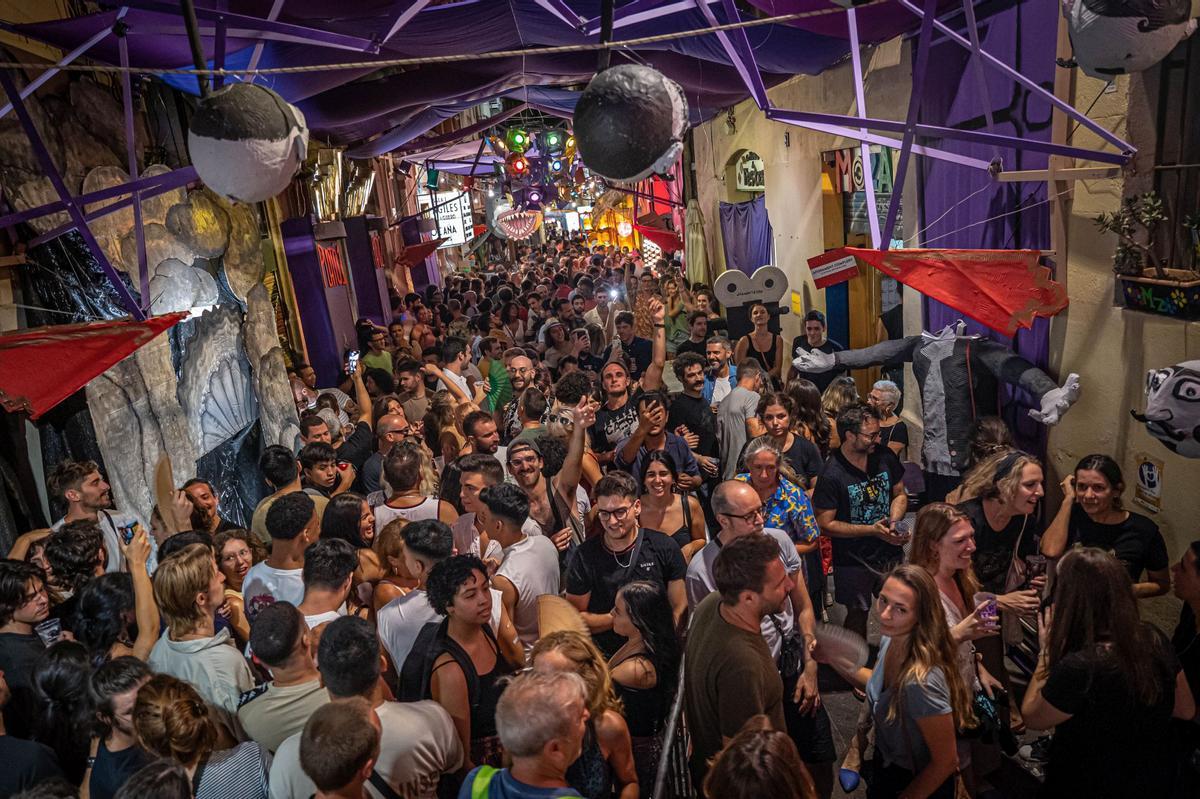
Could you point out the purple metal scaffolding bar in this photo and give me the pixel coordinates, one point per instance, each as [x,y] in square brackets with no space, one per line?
[737,47]
[411,9]
[256,53]
[76,213]
[940,132]
[860,99]
[176,182]
[642,11]
[243,26]
[139,233]
[924,42]
[37,82]
[1049,97]
[886,141]
[977,67]
[564,12]
[148,187]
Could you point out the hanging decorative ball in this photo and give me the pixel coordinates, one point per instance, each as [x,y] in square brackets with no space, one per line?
[247,142]
[629,123]
[624,229]
[1115,37]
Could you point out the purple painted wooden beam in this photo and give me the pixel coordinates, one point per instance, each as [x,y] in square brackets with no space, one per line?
[642,11]
[75,211]
[977,64]
[256,53]
[408,10]
[860,99]
[54,233]
[37,82]
[940,132]
[924,42]
[244,26]
[139,231]
[147,187]
[1049,97]
[564,12]
[740,54]
[858,134]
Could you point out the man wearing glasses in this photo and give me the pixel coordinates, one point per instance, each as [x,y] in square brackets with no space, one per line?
[601,565]
[739,513]
[520,375]
[390,430]
[858,499]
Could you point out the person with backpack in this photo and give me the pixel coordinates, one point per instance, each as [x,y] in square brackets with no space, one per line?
[467,675]
[541,720]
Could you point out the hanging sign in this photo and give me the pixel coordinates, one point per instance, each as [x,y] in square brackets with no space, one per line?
[751,172]
[833,267]
[376,248]
[452,216]
[1148,491]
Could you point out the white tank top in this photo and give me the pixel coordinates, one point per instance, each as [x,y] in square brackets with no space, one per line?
[427,509]
[532,566]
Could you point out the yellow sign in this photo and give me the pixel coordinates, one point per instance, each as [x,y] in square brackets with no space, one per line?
[797,304]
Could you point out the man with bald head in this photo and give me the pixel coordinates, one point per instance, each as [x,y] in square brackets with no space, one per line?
[391,429]
[520,374]
[739,512]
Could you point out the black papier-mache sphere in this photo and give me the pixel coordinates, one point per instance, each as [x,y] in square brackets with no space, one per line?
[629,123]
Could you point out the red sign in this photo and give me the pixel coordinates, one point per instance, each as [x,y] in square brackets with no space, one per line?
[833,267]
[333,270]
[376,249]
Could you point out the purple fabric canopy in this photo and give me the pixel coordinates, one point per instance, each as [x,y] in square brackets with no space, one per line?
[875,23]
[357,105]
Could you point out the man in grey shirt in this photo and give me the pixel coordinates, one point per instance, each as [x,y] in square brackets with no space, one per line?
[739,405]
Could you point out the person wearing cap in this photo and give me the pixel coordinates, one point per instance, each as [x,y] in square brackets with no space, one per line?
[815,338]
[552,499]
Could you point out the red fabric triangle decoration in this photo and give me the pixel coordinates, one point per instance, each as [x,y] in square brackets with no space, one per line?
[666,239]
[1003,289]
[42,366]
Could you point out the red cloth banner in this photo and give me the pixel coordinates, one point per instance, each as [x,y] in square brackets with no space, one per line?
[668,240]
[42,366]
[833,267]
[1003,289]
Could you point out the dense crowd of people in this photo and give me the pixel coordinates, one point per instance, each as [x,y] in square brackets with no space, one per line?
[541,505]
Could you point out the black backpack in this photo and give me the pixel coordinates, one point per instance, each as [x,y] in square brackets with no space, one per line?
[433,640]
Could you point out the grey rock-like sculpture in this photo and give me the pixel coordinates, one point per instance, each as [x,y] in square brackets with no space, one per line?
[243,263]
[176,286]
[215,387]
[201,224]
[277,411]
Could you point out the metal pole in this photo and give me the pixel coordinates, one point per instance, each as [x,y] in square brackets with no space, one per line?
[188,7]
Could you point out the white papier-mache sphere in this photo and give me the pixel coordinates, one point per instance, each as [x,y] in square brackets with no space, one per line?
[630,122]
[1115,37]
[1173,407]
[247,142]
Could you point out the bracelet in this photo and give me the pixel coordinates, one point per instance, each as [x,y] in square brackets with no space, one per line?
[660,325]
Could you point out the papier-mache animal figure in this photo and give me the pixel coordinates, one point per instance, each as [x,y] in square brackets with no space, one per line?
[738,292]
[1172,412]
[1115,37]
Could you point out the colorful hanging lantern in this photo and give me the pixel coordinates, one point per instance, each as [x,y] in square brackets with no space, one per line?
[624,229]
[516,165]
[517,140]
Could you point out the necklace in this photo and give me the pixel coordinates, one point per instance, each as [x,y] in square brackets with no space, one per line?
[628,549]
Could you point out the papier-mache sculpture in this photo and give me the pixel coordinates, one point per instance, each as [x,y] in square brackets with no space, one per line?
[1115,37]
[958,375]
[1172,412]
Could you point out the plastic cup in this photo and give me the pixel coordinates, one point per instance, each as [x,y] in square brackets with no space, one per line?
[902,527]
[1036,566]
[49,631]
[990,610]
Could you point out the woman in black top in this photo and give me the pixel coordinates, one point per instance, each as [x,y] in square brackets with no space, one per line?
[1092,516]
[467,676]
[1185,577]
[1108,683]
[677,516]
[645,670]
[777,413]
[893,433]
[1000,496]
[762,345]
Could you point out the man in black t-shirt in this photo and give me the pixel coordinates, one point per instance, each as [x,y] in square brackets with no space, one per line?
[858,497]
[115,687]
[26,763]
[814,338]
[639,351]
[24,604]
[624,553]
[617,418]
[697,335]
[692,417]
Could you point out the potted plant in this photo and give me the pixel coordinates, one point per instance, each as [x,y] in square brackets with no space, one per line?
[1147,284]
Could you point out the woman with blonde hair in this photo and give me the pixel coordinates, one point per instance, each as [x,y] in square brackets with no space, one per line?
[605,767]
[915,694]
[442,436]
[172,721]
[395,581]
[1000,496]
[237,550]
[838,396]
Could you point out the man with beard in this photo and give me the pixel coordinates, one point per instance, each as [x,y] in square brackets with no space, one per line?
[651,435]
[413,394]
[730,676]
[206,515]
[722,375]
[618,416]
[697,340]
[859,496]
[637,350]
[114,689]
[520,374]
[89,498]
[483,437]
[552,499]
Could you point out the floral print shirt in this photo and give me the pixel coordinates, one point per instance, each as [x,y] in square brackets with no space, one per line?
[789,510]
